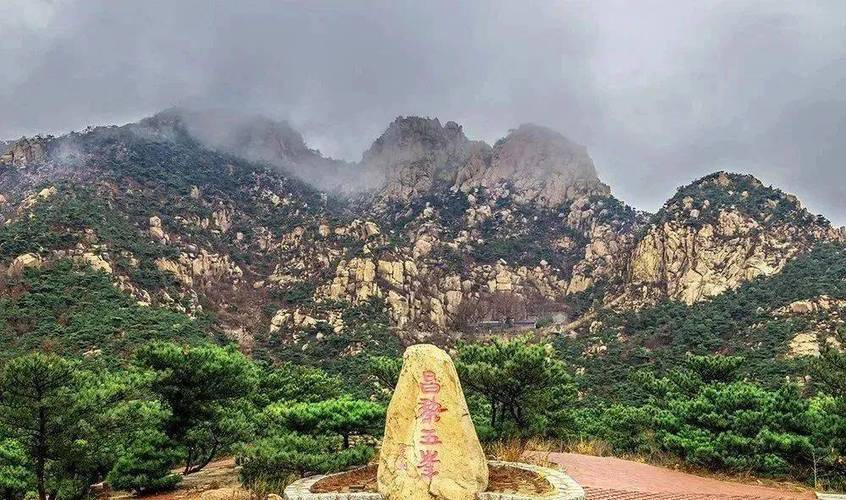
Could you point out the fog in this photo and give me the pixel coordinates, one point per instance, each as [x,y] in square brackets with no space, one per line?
[660,92]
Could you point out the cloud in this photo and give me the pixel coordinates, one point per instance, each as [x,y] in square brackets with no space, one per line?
[660,91]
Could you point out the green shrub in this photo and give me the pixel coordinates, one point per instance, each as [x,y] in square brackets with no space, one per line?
[627,429]
[76,310]
[527,389]
[711,419]
[210,391]
[16,476]
[298,383]
[145,467]
[279,456]
[340,417]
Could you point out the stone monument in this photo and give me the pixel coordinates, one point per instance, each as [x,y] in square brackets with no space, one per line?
[430,450]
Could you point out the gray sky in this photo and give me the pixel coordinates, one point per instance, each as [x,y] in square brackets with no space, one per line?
[661,92]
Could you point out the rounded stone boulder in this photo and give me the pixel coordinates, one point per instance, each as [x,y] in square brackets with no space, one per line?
[430,449]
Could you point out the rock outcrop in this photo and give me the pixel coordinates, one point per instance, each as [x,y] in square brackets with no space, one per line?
[413,155]
[25,261]
[24,152]
[202,265]
[717,233]
[537,164]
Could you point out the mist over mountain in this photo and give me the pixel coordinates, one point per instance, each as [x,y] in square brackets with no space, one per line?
[660,93]
[411,157]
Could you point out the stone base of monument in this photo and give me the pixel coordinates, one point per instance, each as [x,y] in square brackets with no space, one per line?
[508,481]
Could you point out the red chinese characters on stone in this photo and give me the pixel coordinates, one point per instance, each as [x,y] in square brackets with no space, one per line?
[430,384]
[427,465]
[429,437]
[429,412]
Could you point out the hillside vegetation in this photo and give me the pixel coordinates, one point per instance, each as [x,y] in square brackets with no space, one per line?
[167,297]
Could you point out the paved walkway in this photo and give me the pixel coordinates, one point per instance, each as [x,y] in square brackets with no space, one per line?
[605,478]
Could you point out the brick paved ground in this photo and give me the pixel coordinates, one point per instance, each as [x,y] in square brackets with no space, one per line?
[605,478]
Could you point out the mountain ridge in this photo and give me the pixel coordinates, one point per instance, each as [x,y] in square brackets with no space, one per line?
[459,235]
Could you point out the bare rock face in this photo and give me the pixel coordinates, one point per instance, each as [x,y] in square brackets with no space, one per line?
[430,449]
[412,154]
[22,262]
[540,165]
[534,163]
[804,344]
[95,262]
[694,264]
[24,152]
[200,266]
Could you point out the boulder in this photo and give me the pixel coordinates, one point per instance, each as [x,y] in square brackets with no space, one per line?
[225,494]
[804,344]
[95,262]
[370,229]
[430,449]
[802,307]
[22,262]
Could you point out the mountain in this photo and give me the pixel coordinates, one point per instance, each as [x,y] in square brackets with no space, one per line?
[719,232]
[235,224]
[258,139]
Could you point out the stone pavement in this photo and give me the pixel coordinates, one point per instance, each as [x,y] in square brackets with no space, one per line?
[605,478]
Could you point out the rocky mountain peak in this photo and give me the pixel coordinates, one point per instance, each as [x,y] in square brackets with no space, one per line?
[540,150]
[532,163]
[413,135]
[720,231]
[249,135]
[413,154]
[538,165]
[704,199]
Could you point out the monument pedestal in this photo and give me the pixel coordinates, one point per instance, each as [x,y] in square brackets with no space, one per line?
[562,487]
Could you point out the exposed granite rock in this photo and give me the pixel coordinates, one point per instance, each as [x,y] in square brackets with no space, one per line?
[31,200]
[538,165]
[413,154]
[203,265]
[804,344]
[156,230]
[22,262]
[95,262]
[688,258]
[24,152]
[822,303]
